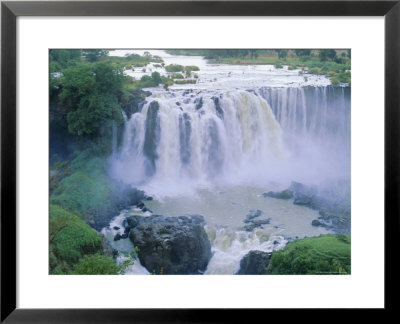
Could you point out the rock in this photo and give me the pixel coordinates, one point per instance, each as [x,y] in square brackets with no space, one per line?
[151,137]
[117,237]
[171,245]
[254,263]
[107,248]
[116,228]
[316,222]
[124,236]
[285,194]
[252,214]
[199,103]
[304,200]
[136,102]
[252,223]
[218,109]
[301,189]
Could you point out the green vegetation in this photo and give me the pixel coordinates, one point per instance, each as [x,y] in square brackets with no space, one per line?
[326,254]
[175,68]
[177,76]
[70,239]
[320,62]
[90,94]
[180,68]
[87,191]
[96,265]
[187,81]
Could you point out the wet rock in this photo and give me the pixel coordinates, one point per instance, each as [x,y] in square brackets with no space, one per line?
[199,103]
[253,224]
[304,200]
[117,237]
[254,263]
[151,137]
[253,213]
[218,109]
[285,194]
[171,245]
[316,222]
[116,228]
[136,102]
[301,189]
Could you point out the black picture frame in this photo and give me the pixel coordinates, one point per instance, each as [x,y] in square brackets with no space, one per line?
[10,10]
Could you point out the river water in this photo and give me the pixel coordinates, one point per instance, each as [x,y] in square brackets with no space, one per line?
[214,147]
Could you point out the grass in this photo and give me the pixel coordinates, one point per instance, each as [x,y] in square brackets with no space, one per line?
[70,239]
[326,254]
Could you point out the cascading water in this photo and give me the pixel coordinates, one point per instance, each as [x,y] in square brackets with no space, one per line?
[203,138]
[214,147]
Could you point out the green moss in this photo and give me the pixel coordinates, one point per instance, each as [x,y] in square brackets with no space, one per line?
[70,239]
[96,264]
[326,254]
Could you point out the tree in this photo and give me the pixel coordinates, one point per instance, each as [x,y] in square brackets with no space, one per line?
[325,54]
[254,53]
[302,52]
[282,53]
[156,78]
[91,96]
[93,55]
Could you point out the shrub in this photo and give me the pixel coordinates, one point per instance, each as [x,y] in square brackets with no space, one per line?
[315,70]
[189,81]
[326,254]
[70,239]
[191,68]
[174,68]
[342,77]
[96,264]
[177,76]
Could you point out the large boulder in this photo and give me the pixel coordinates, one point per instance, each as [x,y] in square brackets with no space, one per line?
[254,263]
[171,245]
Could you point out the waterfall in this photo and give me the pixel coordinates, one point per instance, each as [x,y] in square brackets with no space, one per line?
[318,112]
[202,138]
[114,137]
